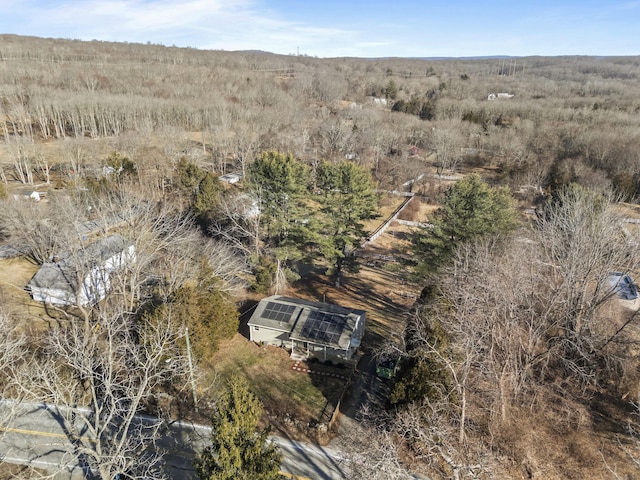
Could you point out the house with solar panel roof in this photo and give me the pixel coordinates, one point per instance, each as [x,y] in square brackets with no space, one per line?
[308,329]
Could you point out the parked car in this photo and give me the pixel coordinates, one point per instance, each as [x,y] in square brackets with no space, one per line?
[386,368]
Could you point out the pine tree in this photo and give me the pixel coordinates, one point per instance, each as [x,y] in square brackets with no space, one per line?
[280,182]
[348,197]
[470,209]
[207,198]
[238,450]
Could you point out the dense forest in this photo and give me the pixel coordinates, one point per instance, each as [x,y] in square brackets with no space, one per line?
[571,118]
[518,360]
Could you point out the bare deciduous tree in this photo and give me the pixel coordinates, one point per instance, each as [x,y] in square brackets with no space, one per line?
[238,223]
[97,382]
[446,142]
[582,244]
[372,449]
[13,351]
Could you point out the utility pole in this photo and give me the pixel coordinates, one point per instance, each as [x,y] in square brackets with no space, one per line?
[193,382]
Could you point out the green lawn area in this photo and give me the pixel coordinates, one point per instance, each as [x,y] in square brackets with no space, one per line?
[283,391]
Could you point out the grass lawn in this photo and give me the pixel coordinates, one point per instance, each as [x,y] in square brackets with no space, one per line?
[287,395]
[388,205]
[15,273]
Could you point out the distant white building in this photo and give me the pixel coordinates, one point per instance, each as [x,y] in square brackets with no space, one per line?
[231,178]
[28,195]
[82,277]
[500,96]
[379,101]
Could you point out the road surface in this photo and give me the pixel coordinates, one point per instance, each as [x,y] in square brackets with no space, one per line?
[34,437]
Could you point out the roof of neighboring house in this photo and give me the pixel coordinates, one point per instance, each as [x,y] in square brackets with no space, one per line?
[231,177]
[623,285]
[62,274]
[56,276]
[314,322]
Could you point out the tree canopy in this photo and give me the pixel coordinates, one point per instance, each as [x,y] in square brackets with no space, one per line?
[278,181]
[204,308]
[206,198]
[302,221]
[470,209]
[348,196]
[238,450]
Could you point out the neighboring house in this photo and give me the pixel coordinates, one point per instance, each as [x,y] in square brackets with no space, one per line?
[28,194]
[500,96]
[231,178]
[81,277]
[379,101]
[309,329]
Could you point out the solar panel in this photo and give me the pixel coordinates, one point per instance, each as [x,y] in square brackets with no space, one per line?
[324,327]
[278,311]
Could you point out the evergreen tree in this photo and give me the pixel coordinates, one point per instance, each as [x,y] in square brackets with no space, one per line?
[422,374]
[391,90]
[280,182]
[206,199]
[121,165]
[348,197]
[199,304]
[189,175]
[238,450]
[470,209]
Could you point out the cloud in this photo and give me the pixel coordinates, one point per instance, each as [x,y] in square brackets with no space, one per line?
[108,20]
[213,24]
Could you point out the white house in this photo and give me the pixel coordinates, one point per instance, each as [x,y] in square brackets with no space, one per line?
[84,276]
[308,329]
[231,178]
[500,96]
[28,194]
[379,101]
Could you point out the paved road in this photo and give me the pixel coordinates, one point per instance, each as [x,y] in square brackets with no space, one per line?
[34,437]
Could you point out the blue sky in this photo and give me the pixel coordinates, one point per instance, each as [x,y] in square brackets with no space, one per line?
[334,28]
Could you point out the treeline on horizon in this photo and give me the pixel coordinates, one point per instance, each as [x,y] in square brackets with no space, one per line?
[572,119]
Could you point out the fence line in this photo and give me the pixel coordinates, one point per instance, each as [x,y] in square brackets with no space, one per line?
[382,228]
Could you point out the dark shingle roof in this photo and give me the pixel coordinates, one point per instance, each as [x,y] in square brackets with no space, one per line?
[63,274]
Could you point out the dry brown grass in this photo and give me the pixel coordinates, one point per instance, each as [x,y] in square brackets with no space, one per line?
[11,471]
[292,400]
[388,204]
[15,274]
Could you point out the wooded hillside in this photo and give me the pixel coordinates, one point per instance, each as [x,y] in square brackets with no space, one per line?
[518,360]
[570,119]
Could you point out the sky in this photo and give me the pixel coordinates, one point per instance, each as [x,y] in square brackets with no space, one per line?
[339,28]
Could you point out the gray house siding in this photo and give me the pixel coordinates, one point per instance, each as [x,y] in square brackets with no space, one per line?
[269,337]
